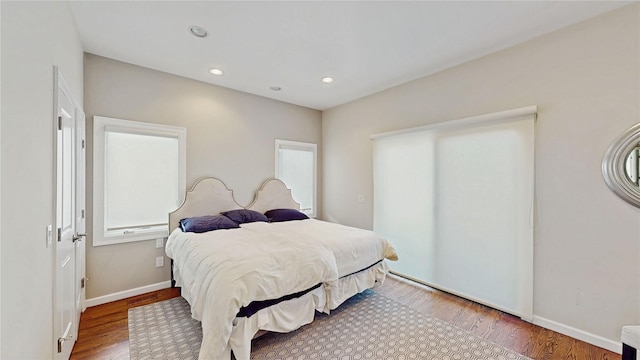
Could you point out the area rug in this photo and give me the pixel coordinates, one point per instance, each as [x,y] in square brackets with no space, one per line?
[164,330]
[367,326]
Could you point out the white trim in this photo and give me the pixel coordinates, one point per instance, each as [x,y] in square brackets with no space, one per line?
[102,124]
[512,114]
[127,293]
[575,333]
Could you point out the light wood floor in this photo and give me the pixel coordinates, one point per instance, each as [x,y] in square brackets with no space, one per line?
[104,330]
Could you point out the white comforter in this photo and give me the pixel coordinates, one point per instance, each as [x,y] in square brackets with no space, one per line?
[354,249]
[224,270]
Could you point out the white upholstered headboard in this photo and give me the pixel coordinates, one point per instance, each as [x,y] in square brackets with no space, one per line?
[273,194]
[210,196]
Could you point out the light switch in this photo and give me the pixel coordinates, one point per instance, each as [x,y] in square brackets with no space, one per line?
[49,235]
[159,243]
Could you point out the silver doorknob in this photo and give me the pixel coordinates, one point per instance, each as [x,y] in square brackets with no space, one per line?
[78,237]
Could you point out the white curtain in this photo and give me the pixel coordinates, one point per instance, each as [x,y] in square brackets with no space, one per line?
[456,199]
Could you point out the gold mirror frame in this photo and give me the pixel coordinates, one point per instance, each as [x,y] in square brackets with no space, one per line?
[613,166]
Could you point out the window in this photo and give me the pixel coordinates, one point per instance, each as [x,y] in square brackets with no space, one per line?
[139,177]
[296,167]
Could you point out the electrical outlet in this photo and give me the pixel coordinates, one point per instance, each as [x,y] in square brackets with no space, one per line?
[160,261]
[159,243]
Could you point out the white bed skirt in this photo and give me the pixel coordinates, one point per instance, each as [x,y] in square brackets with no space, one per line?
[291,314]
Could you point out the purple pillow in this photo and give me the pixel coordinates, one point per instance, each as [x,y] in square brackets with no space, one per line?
[277,215]
[206,223]
[242,216]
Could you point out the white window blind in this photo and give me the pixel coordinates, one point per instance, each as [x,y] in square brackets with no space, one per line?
[455,199]
[139,177]
[296,167]
[141,180]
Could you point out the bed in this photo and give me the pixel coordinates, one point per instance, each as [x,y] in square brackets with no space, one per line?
[264,276]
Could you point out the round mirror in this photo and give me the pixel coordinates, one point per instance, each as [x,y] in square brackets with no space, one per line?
[621,166]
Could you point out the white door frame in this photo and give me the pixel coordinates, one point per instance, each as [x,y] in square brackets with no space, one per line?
[80,214]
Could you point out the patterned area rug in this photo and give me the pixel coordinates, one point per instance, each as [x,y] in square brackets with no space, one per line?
[164,330]
[367,326]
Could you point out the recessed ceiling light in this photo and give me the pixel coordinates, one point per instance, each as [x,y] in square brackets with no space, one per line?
[198,31]
[215,71]
[275,88]
[327,79]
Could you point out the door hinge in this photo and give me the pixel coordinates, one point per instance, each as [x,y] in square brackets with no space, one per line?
[59,234]
[83,144]
[59,122]
[82,213]
[83,281]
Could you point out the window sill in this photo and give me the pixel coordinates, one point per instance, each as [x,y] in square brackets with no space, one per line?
[113,239]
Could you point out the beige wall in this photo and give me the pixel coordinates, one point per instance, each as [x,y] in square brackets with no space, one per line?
[35,37]
[230,135]
[585,81]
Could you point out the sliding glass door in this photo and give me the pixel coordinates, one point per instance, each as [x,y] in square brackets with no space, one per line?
[456,200]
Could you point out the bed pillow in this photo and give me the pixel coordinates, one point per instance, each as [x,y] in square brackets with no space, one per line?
[277,215]
[242,216]
[206,223]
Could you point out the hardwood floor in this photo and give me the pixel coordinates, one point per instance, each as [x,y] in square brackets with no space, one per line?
[104,330]
[496,326]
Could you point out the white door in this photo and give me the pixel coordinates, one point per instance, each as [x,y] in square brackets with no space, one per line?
[65,322]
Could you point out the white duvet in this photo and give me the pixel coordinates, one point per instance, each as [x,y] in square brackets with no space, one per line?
[353,249]
[224,270]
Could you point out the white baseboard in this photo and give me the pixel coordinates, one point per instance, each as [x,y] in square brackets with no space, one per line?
[127,293]
[575,333]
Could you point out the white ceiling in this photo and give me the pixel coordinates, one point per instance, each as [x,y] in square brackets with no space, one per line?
[367,46]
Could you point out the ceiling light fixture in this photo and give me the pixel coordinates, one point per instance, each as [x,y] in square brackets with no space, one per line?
[215,71]
[198,31]
[327,79]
